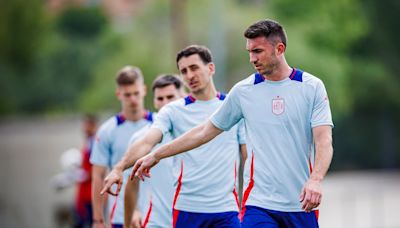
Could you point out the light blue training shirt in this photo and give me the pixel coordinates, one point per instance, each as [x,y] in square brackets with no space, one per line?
[110,145]
[156,193]
[278,117]
[205,176]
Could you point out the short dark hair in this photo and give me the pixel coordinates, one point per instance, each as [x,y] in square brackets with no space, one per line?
[90,117]
[202,51]
[128,75]
[268,28]
[164,80]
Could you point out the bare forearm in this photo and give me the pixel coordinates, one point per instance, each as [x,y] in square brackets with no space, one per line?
[130,200]
[134,152]
[323,155]
[97,199]
[190,140]
[139,148]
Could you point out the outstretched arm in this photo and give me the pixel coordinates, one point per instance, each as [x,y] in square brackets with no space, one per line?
[312,193]
[137,150]
[190,140]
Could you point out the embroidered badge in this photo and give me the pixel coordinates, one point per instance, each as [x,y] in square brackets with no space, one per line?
[278,105]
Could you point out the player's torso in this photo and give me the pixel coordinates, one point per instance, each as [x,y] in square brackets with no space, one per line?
[277,117]
[119,141]
[159,192]
[207,171]
[120,138]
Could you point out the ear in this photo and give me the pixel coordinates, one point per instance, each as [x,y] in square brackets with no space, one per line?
[118,93]
[144,90]
[211,67]
[280,48]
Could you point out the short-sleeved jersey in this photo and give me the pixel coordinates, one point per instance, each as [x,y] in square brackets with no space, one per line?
[110,145]
[156,193]
[278,117]
[204,176]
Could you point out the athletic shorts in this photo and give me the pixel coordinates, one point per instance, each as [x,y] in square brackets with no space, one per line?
[183,219]
[260,217]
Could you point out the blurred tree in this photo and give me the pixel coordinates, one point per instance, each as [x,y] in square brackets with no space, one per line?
[147,45]
[22,28]
[320,35]
[178,9]
[22,24]
[82,22]
[44,69]
[351,45]
[376,88]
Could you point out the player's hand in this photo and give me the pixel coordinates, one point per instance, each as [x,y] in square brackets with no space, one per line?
[311,195]
[114,177]
[136,219]
[142,166]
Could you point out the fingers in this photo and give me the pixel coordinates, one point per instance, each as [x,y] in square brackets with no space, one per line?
[142,167]
[302,194]
[137,223]
[107,187]
[135,170]
[132,175]
[103,190]
[311,199]
[109,191]
[137,220]
[146,172]
[119,187]
[140,170]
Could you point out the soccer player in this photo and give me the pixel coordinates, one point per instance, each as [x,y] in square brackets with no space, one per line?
[84,187]
[112,140]
[205,193]
[289,133]
[157,193]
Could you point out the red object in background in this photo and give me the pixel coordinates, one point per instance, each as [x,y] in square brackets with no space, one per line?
[84,191]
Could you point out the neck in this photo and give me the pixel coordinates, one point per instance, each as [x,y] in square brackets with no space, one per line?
[134,115]
[280,72]
[205,94]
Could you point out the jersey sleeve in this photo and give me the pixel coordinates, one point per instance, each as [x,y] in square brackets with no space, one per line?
[163,122]
[241,132]
[101,154]
[321,112]
[229,113]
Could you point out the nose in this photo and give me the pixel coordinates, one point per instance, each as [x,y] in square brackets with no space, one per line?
[189,75]
[133,99]
[252,58]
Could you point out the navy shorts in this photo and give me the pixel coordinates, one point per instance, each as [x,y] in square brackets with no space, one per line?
[183,219]
[260,217]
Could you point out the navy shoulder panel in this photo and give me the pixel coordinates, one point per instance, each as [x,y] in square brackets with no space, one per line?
[189,100]
[258,78]
[120,119]
[297,75]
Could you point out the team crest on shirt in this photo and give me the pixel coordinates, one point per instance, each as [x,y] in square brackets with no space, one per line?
[278,105]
